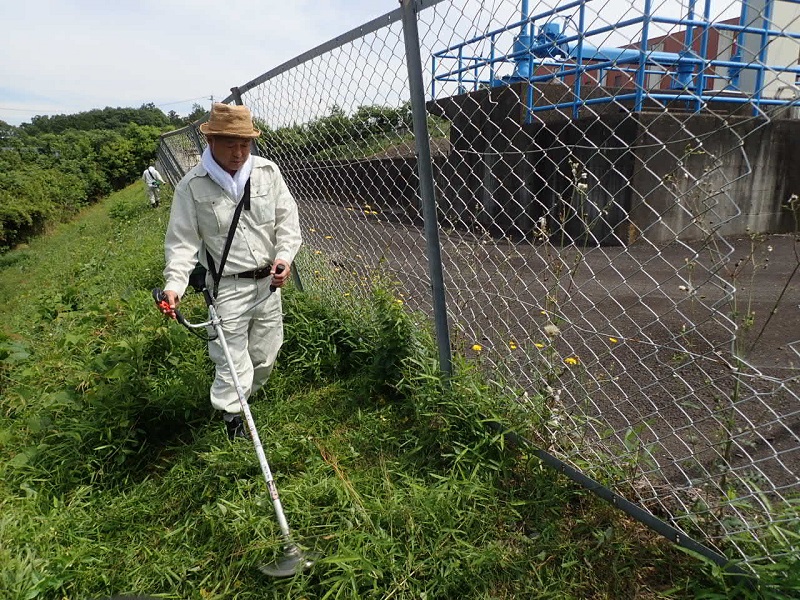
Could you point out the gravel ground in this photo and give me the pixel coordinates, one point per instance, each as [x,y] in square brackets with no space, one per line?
[652,330]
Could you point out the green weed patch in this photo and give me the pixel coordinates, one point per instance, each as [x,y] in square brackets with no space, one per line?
[116,477]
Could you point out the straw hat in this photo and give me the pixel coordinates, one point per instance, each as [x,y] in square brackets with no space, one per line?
[230,120]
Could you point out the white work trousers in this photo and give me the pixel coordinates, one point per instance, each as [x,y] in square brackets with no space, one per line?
[252,323]
[152,193]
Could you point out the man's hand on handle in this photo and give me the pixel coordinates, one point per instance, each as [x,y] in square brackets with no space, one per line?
[168,302]
[280,273]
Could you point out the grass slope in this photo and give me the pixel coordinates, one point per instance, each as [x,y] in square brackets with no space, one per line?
[117,478]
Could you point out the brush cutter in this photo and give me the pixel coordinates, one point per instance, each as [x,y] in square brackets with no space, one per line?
[294,560]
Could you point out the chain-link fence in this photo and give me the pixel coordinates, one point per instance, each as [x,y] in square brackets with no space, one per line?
[617,220]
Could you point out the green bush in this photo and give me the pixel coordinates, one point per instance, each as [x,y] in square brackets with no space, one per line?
[116,479]
[54,166]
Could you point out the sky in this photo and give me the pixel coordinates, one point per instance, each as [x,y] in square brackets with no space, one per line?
[69,56]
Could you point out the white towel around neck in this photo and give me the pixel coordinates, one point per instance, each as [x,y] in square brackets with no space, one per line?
[233,186]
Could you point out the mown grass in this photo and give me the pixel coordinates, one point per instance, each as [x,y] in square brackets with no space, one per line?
[117,477]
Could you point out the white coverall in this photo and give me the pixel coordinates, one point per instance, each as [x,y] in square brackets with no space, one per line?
[252,320]
[151,178]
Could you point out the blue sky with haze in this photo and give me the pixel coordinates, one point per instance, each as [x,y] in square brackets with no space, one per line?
[67,56]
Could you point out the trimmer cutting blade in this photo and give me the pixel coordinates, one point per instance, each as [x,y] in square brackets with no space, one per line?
[292,562]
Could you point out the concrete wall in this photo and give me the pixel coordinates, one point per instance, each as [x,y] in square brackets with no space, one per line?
[660,174]
[736,183]
[610,179]
[387,185]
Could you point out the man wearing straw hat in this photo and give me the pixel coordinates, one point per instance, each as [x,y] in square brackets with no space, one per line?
[242,261]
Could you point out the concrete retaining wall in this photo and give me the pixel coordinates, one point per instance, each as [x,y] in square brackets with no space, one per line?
[659,175]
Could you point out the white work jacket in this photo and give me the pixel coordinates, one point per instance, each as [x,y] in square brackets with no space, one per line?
[201,216]
[151,176]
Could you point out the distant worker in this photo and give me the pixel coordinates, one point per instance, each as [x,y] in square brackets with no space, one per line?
[152,181]
[235,215]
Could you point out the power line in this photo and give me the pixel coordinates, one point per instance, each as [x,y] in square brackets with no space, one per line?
[27,109]
[182,101]
[50,110]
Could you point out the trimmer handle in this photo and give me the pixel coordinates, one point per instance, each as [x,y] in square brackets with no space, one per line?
[279,269]
[161,300]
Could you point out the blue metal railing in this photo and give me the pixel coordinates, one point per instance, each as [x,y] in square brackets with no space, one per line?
[552,54]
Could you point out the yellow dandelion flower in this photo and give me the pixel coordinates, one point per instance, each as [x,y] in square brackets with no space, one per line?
[613,340]
[571,360]
[316,272]
[399,301]
[317,251]
[538,345]
[544,312]
[346,294]
[328,237]
[512,345]
[312,230]
[477,347]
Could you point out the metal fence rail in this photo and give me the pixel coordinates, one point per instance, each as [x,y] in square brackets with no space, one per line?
[622,259]
[570,43]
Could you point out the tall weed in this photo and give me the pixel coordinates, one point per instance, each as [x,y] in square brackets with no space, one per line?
[116,480]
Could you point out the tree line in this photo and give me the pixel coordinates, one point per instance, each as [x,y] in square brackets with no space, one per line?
[337,135]
[53,166]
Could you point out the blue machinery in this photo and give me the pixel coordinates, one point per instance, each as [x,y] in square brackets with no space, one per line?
[553,54]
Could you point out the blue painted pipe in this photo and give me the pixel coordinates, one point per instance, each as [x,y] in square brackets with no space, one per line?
[522,44]
[684,61]
[619,56]
[548,44]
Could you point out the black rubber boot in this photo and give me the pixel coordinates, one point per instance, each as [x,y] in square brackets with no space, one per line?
[236,428]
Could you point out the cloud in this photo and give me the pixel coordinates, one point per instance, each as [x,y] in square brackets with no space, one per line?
[74,55]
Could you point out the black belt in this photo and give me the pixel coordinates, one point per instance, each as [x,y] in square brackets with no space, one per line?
[257,274]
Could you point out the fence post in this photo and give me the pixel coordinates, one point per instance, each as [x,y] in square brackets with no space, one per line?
[237,98]
[237,95]
[426,186]
[171,157]
[167,166]
[196,138]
